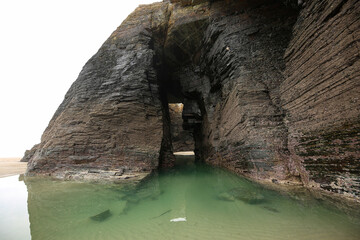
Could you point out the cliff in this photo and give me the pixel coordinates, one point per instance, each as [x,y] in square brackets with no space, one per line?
[270,91]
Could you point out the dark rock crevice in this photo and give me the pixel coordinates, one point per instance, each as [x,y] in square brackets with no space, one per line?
[166,157]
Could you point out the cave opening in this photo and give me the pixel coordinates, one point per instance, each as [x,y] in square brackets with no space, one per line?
[182,119]
[183,114]
[226,86]
[182,138]
[185,123]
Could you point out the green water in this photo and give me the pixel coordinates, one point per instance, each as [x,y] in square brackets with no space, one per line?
[215,203]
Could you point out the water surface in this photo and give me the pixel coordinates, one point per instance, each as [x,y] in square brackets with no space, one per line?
[216,205]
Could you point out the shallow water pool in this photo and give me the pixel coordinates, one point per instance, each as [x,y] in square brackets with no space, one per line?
[190,202]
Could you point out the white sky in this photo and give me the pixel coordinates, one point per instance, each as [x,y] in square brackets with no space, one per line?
[43,46]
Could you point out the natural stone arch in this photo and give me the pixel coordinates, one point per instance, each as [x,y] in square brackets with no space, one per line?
[264,77]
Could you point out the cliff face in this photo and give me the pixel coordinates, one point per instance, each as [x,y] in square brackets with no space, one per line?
[111,116]
[321,93]
[270,90]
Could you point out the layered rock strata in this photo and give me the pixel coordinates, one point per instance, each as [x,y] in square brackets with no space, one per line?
[270,90]
[321,94]
[111,117]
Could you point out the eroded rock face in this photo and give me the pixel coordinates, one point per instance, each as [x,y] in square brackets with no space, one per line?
[270,90]
[240,70]
[321,94]
[111,116]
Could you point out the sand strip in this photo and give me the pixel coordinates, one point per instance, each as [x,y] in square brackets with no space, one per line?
[186,153]
[11,166]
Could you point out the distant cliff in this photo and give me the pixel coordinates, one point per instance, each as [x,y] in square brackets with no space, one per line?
[270,90]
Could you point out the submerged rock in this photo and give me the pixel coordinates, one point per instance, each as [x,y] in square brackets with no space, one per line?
[101,216]
[145,190]
[131,198]
[271,209]
[243,194]
[225,196]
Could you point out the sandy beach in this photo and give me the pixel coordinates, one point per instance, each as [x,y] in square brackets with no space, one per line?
[11,166]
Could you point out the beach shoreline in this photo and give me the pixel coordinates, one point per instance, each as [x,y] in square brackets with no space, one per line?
[11,166]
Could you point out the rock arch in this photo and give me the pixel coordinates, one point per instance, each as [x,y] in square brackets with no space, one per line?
[263,83]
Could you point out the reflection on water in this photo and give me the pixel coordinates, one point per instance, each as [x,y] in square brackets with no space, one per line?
[14,218]
[203,202]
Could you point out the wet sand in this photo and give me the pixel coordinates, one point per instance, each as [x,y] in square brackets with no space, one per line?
[11,166]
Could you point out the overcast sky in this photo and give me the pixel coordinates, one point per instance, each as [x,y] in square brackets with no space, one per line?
[43,46]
